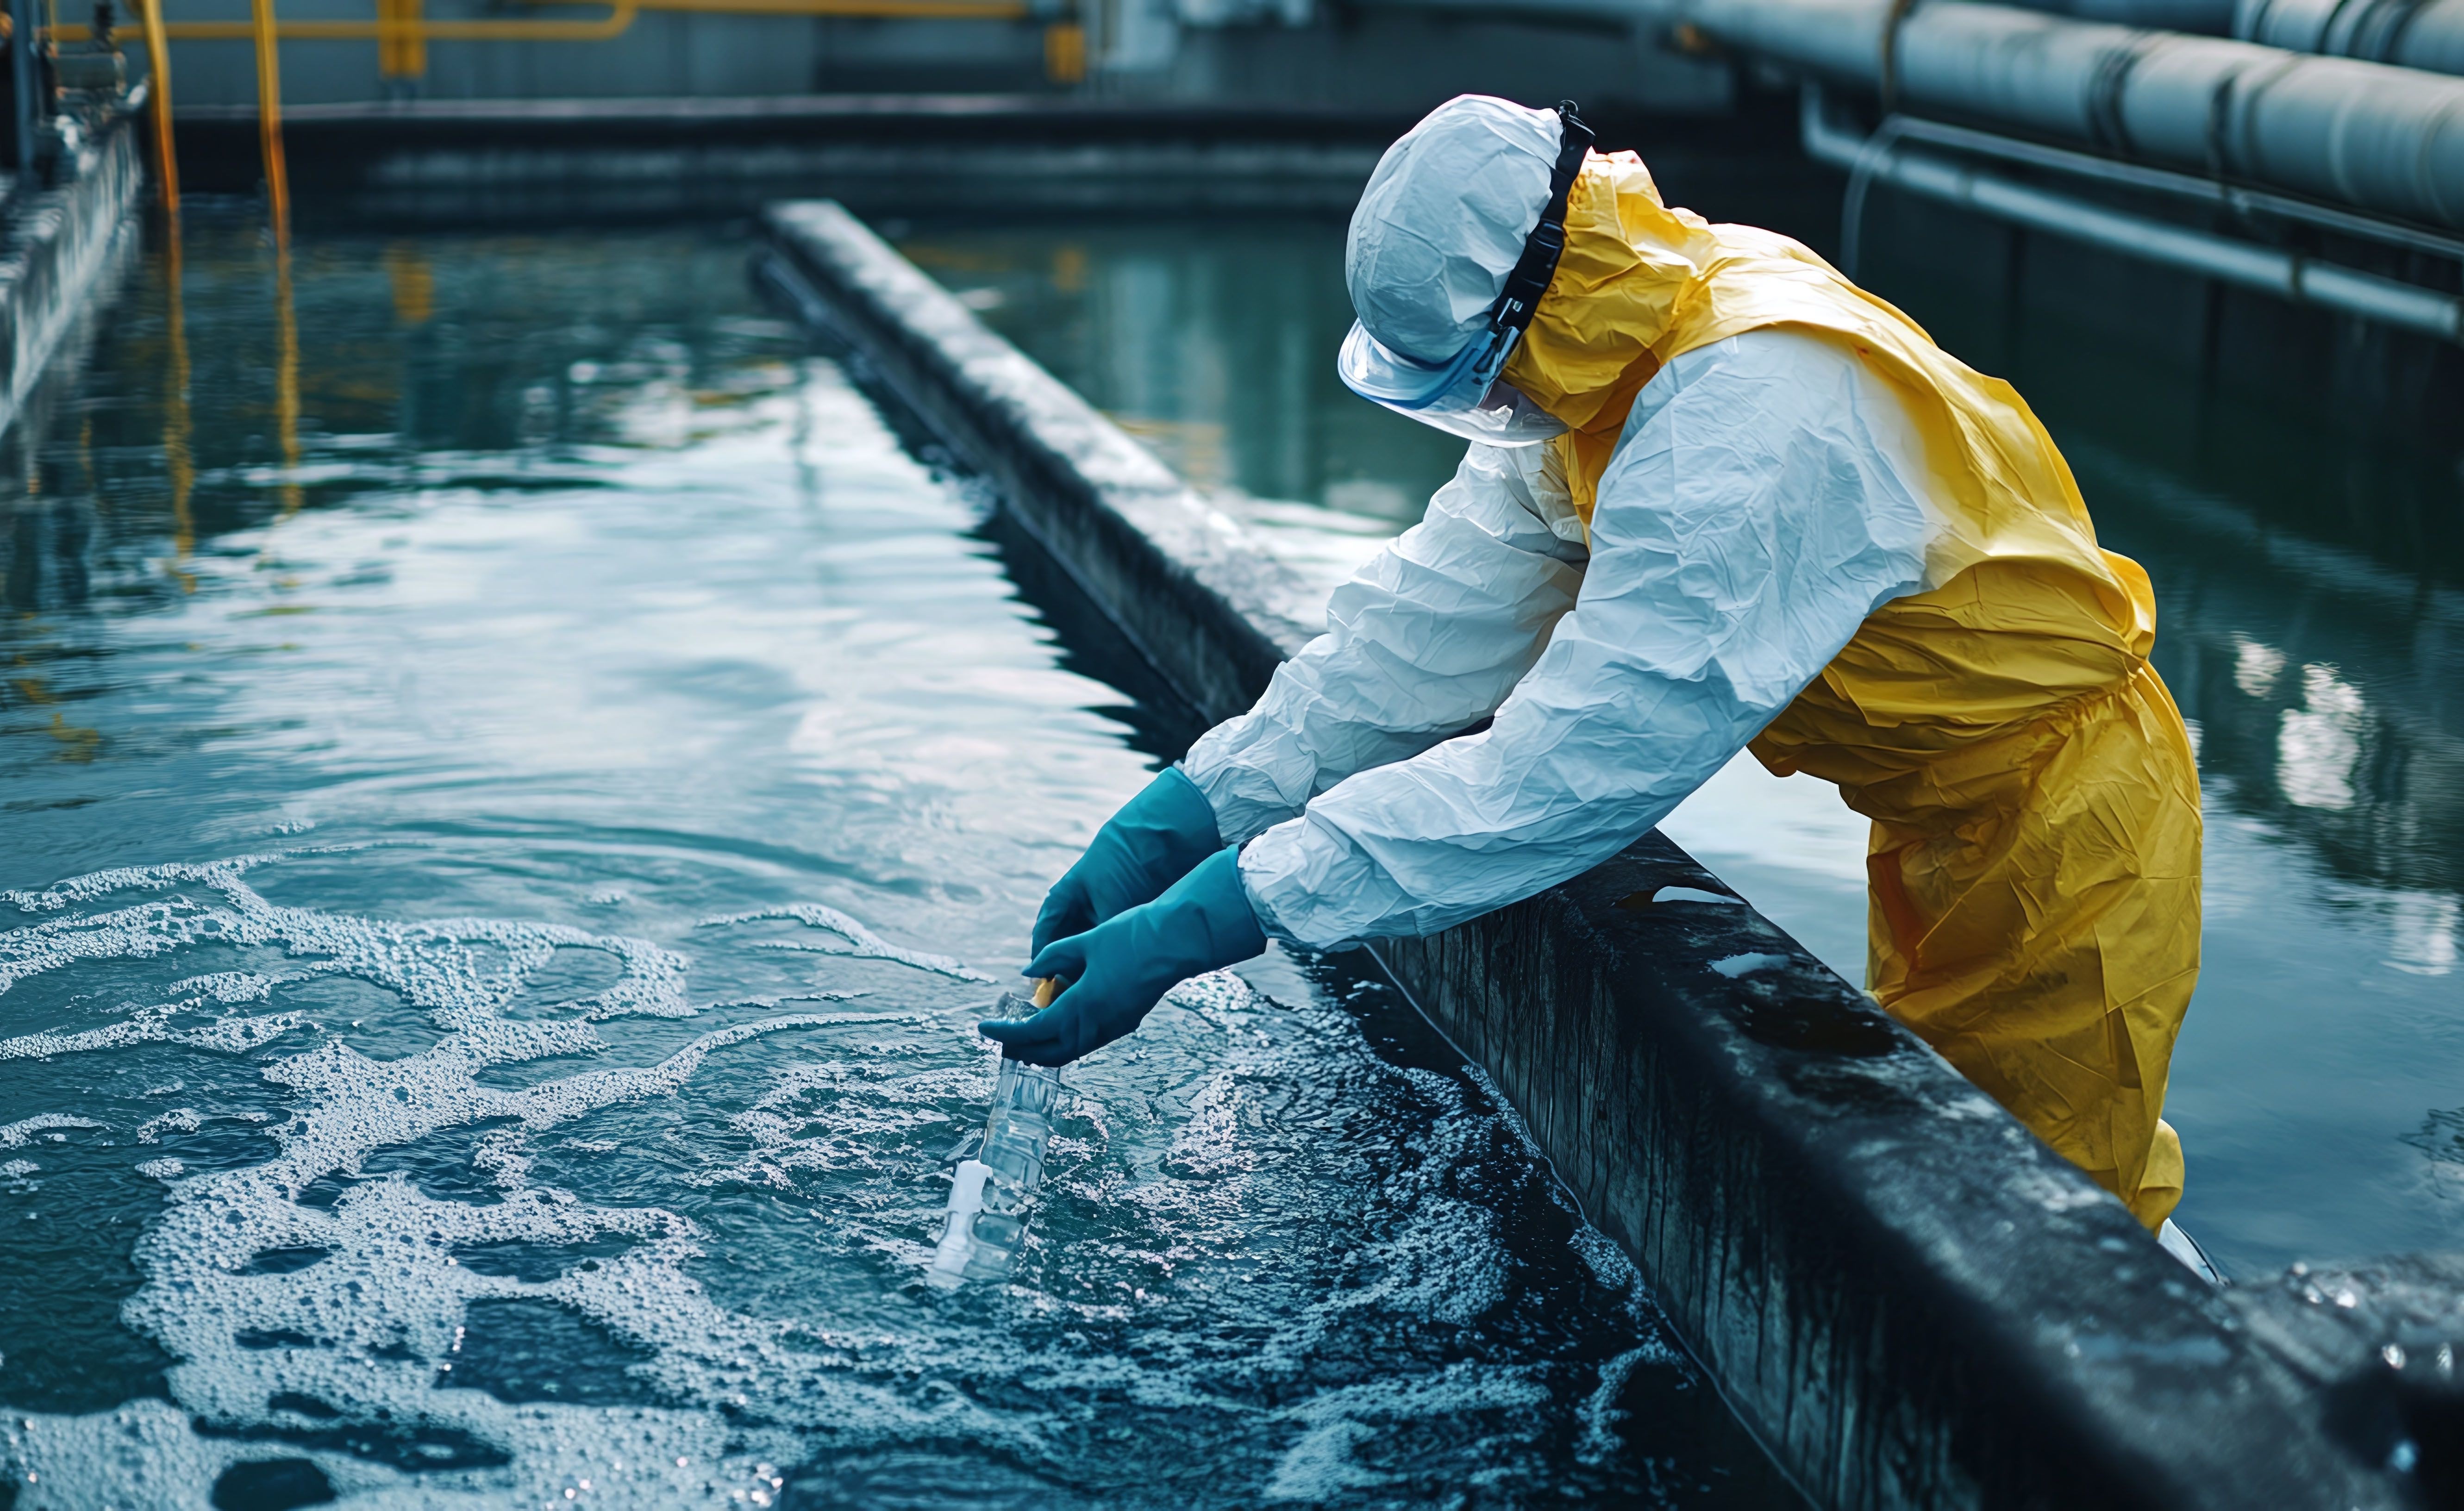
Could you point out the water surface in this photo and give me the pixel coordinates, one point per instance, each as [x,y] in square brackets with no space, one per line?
[517,785]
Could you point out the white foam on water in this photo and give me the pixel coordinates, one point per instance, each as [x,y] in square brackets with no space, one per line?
[1322,1465]
[179,1120]
[1274,1137]
[366,1333]
[15,1135]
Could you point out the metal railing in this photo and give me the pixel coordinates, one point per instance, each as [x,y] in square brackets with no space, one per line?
[1884,157]
[401,34]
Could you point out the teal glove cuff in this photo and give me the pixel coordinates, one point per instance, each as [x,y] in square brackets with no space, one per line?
[1153,842]
[1118,970]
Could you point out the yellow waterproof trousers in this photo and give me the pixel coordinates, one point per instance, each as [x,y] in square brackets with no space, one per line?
[2034,906]
[2035,853]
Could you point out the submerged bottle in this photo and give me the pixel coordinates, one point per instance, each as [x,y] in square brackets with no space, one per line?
[990,1194]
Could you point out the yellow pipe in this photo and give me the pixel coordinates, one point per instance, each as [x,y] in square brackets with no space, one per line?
[1064,52]
[269,130]
[404,54]
[158,64]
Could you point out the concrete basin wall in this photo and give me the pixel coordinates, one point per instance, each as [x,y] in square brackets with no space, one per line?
[1909,1298]
[58,246]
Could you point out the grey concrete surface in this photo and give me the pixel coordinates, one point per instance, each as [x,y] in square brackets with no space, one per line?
[1909,1299]
[557,161]
[59,250]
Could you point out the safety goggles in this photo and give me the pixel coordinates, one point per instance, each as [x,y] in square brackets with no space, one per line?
[1463,394]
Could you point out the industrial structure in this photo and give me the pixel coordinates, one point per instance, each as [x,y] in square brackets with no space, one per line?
[1909,1308]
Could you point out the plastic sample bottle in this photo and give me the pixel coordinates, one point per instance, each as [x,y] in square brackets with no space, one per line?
[990,1194]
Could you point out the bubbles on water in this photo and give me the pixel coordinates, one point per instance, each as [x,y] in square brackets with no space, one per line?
[24,1131]
[350,1354]
[179,1120]
[1290,1269]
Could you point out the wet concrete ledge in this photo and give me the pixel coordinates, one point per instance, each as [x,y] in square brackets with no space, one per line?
[59,250]
[1910,1299]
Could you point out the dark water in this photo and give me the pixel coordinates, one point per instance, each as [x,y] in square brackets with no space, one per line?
[2311,588]
[516,786]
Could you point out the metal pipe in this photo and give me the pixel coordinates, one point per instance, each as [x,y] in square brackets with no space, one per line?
[158,85]
[269,125]
[2370,135]
[2413,33]
[2287,274]
[401,53]
[2231,198]
[2203,17]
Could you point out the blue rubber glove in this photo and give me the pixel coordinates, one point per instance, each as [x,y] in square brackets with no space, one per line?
[1150,843]
[1118,970]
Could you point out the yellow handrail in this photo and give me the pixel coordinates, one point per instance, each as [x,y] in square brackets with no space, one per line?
[402,34]
[269,128]
[878,10]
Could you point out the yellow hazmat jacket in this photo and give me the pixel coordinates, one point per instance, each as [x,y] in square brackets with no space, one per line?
[2034,860]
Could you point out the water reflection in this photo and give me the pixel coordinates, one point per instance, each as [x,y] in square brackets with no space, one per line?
[514,782]
[2311,595]
[1211,342]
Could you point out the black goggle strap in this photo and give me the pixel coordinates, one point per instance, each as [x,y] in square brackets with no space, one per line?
[1547,243]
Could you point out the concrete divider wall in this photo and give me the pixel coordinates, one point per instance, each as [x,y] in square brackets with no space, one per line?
[1909,1299]
[56,248]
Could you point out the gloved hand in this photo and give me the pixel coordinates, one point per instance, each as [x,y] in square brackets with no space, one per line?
[1118,970]
[1150,843]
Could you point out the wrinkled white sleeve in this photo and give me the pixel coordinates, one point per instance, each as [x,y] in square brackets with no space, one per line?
[1424,641]
[1766,495]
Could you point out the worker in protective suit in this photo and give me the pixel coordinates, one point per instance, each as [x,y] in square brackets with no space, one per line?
[1716,497]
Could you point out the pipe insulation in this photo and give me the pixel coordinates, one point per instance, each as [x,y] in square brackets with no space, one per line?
[2369,136]
[2288,276]
[2410,33]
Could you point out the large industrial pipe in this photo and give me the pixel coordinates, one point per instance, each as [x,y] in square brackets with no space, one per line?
[2413,33]
[2367,135]
[2410,33]
[2271,269]
[2206,17]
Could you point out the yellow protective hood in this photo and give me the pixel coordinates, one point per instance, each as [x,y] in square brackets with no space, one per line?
[1642,283]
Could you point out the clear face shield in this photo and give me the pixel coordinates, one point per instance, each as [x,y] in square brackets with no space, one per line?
[1463,397]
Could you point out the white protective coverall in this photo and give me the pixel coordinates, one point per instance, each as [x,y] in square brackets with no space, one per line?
[1808,528]
[1765,497]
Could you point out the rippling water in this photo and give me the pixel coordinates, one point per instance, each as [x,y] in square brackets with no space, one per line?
[2310,583]
[517,785]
